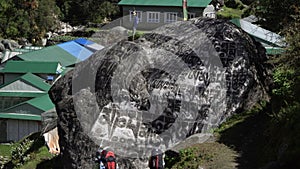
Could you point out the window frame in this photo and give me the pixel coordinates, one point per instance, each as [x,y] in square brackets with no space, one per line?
[191,14]
[1,79]
[168,20]
[151,20]
[210,15]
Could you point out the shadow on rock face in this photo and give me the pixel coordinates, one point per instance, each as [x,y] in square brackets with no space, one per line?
[181,79]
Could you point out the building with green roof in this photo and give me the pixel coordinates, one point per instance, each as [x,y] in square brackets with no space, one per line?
[155,13]
[273,43]
[22,89]
[32,67]
[67,53]
[50,54]
[35,106]
[167,3]
[14,69]
[7,54]
[23,118]
[15,126]
[22,101]
[26,79]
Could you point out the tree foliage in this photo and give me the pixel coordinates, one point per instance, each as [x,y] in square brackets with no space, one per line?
[287,73]
[286,98]
[80,12]
[30,19]
[33,18]
[275,14]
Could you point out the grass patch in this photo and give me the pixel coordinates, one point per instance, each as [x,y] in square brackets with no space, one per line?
[239,118]
[247,134]
[5,149]
[137,35]
[206,155]
[28,153]
[37,157]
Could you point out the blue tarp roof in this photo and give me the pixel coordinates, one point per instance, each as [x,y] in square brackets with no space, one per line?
[83,41]
[67,53]
[89,44]
[76,50]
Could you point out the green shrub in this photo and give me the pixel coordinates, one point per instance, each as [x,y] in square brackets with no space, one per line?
[283,80]
[19,152]
[229,13]
[206,155]
[137,35]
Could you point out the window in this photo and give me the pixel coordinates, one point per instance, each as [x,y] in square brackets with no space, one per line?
[138,14]
[153,17]
[191,15]
[170,17]
[210,15]
[1,79]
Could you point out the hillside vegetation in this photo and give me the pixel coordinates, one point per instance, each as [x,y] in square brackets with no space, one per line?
[34,18]
[268,135]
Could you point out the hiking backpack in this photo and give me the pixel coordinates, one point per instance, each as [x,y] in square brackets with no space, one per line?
[156,159]
[110,160]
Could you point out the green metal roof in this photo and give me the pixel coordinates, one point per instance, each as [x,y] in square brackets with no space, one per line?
[21,94]
[36,81]
[50,54]
[43,103]
[32,66]
[20,116]
[178,3]
[272,42]
[274,50]
[32,80]
[259,33]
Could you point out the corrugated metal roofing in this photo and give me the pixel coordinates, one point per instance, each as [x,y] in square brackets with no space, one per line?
[76,50]
[20,116]
[32,67]
[50,54]
[273,43]
[274,50]
[178,3]
[83,41]
[21,94]
[265,35]
[89,44]
[42,103]
[67,53]
[18,51]
[9,54]
[30,79]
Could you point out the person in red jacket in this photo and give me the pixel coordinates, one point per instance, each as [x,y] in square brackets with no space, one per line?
[108,158]
[156,159]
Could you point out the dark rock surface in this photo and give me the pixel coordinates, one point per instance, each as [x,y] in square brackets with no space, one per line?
[49,120]
[181,79]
